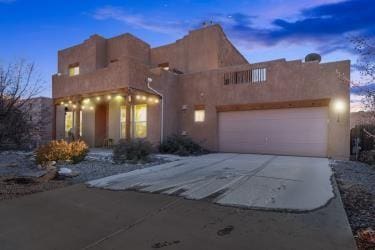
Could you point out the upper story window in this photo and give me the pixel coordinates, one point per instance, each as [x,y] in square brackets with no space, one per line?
[255,75]
[259,75]
[74,69]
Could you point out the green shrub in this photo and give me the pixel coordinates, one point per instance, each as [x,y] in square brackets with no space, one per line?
[181,145]
[61,150]
[133,151]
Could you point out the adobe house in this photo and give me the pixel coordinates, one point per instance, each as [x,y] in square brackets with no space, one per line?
[202,87]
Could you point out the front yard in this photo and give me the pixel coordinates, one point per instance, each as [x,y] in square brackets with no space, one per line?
[20,175]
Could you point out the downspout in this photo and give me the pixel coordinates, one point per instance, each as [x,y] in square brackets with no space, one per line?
[149,80]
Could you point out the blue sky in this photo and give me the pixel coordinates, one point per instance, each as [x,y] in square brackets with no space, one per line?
[262,30]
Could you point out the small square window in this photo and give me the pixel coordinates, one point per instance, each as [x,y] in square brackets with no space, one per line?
[199,115]
[74,70]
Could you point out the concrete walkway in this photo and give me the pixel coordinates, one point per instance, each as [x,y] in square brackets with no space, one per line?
[242,180]
[78,217]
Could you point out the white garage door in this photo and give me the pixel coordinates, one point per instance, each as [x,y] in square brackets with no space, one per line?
[294,131]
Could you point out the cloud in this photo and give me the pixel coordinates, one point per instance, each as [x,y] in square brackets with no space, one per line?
[327,25]
[138,21]
[362,90]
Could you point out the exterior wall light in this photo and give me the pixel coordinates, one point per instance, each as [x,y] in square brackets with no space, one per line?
[156,100]
[87,100]
[61,103]
[118,97]
[98,98]
[83,107]
[109,97]
[74,106]
[339,107]
[137,97]
[91,108]
[70,102]
[144,98]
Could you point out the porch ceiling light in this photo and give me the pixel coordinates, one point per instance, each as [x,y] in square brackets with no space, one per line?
[87,100]
[156,100]
[83,107]
[119,97]
[70,102]
[74,106]
[91,108]
[98,98]
[109,97]
[61,103]
[137,97]
[144,98]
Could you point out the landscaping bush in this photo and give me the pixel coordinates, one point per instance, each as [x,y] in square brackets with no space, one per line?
[61,150]
[181,145]
[133,151]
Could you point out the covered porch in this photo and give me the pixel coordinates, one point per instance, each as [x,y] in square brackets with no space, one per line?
[102,119]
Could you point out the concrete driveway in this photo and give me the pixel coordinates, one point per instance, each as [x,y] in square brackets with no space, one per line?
[78,217]
[241,180]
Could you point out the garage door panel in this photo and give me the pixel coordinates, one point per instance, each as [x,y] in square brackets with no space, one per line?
[299,131]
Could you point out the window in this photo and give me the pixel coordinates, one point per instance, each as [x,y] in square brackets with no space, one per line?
[123,122]
[140,121]
[259,75]
[68,122]
[199,115]
[74,69]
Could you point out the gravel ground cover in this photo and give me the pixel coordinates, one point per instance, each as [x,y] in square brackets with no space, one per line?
[95,168]
[19,173]
[356,182]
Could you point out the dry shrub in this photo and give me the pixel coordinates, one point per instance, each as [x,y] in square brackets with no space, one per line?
[132,151]
[61,150]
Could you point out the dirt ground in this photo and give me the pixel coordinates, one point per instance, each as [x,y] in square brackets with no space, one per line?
[11,187]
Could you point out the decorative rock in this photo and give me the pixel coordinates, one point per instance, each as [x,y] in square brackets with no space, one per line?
[51,174]
[67,172]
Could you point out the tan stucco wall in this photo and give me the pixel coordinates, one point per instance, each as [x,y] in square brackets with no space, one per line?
[200,50]
[286,81]
[128,46]
[60,122]
[88,127]
[114,120]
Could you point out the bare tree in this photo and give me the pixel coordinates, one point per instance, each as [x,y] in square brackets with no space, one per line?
[365,49]
[19,82]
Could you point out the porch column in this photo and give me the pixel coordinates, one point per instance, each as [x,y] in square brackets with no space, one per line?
[76,123]
[128,123]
